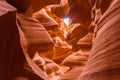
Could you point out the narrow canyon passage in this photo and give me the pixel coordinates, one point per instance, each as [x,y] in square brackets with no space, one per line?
[59,40]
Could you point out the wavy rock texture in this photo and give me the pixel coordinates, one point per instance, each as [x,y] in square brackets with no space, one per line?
[104,61]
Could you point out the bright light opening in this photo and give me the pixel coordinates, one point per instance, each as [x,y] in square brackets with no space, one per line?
[66,21]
